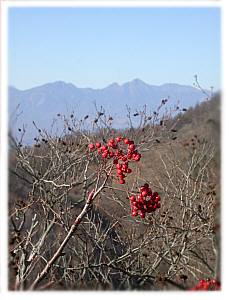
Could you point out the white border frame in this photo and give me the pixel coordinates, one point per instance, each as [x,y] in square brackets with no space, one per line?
[3,150]
[112,3]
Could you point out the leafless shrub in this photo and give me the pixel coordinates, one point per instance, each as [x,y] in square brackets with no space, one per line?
[73,228]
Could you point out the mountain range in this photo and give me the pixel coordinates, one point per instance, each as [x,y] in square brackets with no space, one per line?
[41,104]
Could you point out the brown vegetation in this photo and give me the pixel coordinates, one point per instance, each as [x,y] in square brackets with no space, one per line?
[63,237]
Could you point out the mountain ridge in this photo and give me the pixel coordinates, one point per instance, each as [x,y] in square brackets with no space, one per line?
[42,103]
[116,84]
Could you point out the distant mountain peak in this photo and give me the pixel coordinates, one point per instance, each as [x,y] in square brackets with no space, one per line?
[62,83]
[138,81]
[113,85]
[59,84]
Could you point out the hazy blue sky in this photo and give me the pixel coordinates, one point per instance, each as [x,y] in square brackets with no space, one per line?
[97,46]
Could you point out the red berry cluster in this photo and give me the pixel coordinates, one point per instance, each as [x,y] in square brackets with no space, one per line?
[207,285]
[115,149]
[145,202]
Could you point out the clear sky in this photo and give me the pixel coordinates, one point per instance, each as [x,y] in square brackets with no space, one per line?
[94,47]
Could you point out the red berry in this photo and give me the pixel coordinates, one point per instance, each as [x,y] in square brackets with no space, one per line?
[118,139]
[124,169]
[128,170]
[126,141]
[134,213]
[213,281]
[115,161]
[91,146]
[142,188]
[98,145]
[132,147]
[155,194]
[119,166]
[132,198]
[146,185]
[111,153]
[150,202]
[105,154]
[137,157]
[135,204]
[145,206]
[202,282]
[112,141]
[149,192]
[206,286]
[104,148]
[158,198]
[142,214]
[119,172]
[140,199]
[121,181]
[118,153]
[144,193]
